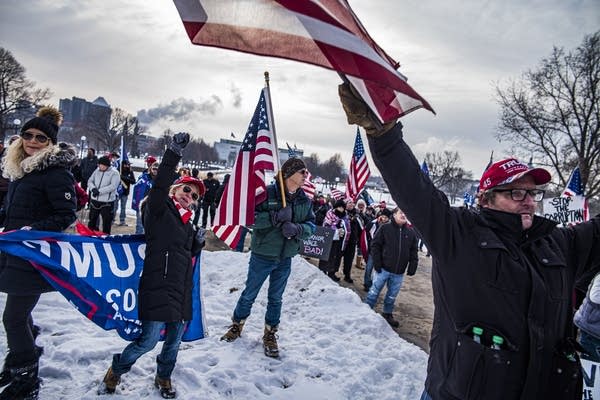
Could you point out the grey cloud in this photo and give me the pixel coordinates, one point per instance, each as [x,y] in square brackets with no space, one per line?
[237,96]
[180,109]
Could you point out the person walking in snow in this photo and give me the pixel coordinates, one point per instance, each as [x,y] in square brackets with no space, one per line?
[103,189]
[165,290]
[277,235]
[41,196]
[393,252]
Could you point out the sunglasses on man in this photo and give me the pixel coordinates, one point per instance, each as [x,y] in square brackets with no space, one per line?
[187,189]
[38,138]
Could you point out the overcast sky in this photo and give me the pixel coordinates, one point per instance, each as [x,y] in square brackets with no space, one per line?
[137,55]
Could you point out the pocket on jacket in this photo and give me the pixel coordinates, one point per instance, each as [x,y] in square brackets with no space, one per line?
[478,372]
[565,381]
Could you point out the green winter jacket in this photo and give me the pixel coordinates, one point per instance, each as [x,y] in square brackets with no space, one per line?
[267,239]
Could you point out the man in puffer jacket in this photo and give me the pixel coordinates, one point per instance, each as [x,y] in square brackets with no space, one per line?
[103,189]
[394,249]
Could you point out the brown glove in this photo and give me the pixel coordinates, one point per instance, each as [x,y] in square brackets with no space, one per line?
[358,112]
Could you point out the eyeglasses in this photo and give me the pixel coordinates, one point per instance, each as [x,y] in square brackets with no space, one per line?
[38,138]
[303,171]
[519,194]
[187,189]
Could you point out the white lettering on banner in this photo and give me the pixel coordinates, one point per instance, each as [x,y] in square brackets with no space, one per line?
[112,261]
[129,299]
[44,247]
[81,263]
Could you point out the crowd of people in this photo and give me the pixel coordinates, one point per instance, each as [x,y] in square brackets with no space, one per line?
[503,278]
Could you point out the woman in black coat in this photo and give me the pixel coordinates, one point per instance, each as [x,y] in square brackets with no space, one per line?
[165,291]
[41,196]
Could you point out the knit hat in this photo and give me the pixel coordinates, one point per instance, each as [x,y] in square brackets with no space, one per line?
[509,170]
[291,166]
[47,120]
[150,160]
[104,161]
[339,203]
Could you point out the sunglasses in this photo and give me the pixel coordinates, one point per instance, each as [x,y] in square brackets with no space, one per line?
[187,189]
[38,138]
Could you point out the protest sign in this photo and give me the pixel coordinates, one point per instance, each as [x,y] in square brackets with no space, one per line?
[565,210]
[591,379]
[319,244]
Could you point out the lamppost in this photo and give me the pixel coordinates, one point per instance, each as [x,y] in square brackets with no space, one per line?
[83,138]
[17,124]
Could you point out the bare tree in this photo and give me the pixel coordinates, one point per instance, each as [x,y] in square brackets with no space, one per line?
[15,88]
[553,113]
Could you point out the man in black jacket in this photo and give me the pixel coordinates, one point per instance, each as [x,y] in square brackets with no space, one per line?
[502,270]
[87,166]
[394,248]
[208,202]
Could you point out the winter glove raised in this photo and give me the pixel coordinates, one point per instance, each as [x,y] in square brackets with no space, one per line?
[281,216]
[359,113]
[179,141]
[291,230]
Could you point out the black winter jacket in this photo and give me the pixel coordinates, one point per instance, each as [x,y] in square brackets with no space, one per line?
[394,248]
[45,200]
[165,290]
[488,272]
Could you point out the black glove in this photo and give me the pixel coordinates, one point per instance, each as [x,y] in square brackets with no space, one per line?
[377,269]
[179,141]
[283,215]
[95,192]
[359,113]
[291,230]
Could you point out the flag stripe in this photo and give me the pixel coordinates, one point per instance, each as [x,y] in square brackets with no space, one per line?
[359,171]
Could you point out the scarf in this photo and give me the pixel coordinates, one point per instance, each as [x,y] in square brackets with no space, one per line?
[183,213]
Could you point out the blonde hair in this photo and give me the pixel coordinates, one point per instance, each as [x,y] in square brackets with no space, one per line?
[16,163]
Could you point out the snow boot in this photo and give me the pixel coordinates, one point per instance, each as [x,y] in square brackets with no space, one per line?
[165,388]
[390,320]
[270,341]
[359,262]
[234,332]
[109,383]
[25,384]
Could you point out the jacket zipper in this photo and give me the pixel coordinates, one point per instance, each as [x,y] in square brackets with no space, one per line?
[166,265]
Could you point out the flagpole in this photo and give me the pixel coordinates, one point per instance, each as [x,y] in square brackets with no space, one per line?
[276,149]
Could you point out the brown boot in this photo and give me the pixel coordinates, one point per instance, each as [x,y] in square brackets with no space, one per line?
[234,332]
[270,341]
[109,383]
[359,262]
[165,388]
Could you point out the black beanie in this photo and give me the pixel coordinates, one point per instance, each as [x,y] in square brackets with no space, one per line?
[47,121]
[104,161]
[291,166]
[339,203]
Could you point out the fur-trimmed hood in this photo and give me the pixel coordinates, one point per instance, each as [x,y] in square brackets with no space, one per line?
[15,166]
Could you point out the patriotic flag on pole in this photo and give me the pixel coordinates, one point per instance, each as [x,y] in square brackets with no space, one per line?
[359,170]
[336,194]
[309,187]
[574,187]
[247,186]
[323,33]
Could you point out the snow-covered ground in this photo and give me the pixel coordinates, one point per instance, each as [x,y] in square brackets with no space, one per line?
[332,346]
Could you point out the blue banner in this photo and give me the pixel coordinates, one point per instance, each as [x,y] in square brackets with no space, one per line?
[99,276]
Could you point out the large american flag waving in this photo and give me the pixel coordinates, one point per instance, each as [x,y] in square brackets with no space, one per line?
[326,33]
[247,186]
[359,170]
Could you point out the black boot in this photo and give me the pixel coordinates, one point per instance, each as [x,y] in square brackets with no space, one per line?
[165,388]
[390,320]
[25,384]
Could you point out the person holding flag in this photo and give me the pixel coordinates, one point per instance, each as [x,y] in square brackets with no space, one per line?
[165,290]
[277,235]
[502,276]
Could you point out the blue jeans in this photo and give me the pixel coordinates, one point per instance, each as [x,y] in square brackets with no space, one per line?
[139,225]
[165,361]
[591,345]
[259,268]
[393,282]
[368,272]
[123,209]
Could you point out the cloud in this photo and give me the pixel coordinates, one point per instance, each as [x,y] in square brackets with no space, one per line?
[237,96]
[180,109]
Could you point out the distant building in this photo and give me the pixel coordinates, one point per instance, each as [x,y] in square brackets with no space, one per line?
[228,149]
[13,121]
[79,112]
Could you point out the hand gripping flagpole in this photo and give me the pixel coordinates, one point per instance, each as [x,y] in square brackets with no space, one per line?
[276,147]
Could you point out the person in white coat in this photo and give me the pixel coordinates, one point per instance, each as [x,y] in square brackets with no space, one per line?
[103,189]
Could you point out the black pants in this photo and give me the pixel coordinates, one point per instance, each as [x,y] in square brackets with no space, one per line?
[104,209]
[349,253]
[206,208]
[18,326]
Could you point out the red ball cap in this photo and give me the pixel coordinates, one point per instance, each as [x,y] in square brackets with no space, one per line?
[150,160]
[190,180]
[509,170]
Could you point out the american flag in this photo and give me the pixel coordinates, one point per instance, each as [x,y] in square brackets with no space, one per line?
[309,187]
[247,186]
[324,33]
[359,169]
[337,194]
[574,187]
